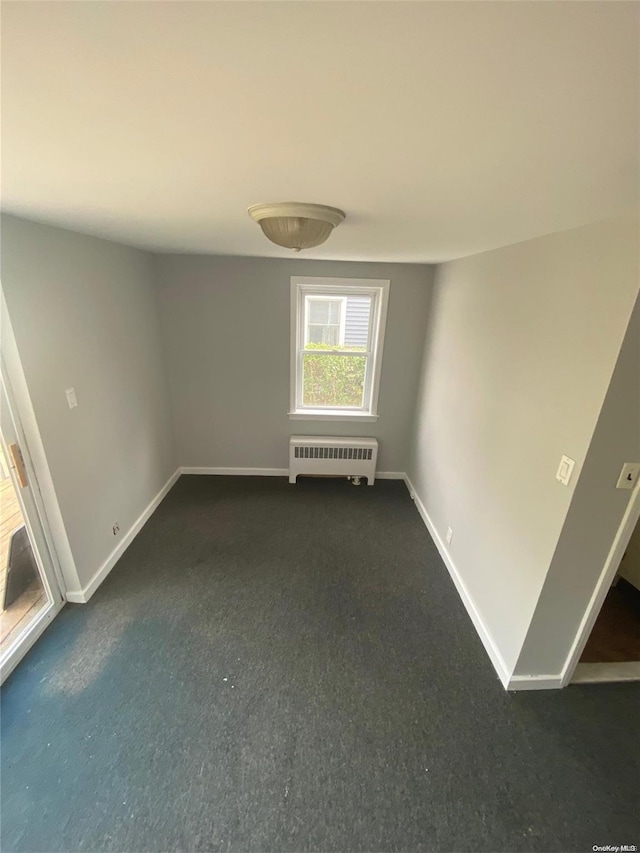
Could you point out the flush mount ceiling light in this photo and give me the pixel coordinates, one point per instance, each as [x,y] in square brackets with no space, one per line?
[296,225]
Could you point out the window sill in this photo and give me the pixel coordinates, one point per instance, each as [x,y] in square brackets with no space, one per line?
[332,416]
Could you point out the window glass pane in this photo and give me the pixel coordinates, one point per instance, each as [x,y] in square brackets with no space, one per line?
[326,336]
[334,313]
[323,322]
[333,380]
[319,310]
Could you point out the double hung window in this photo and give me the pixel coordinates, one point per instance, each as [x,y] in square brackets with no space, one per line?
[337,337]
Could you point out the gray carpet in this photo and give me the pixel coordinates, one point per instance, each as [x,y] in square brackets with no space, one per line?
[289,668]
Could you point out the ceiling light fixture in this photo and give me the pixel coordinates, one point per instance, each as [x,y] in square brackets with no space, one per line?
[296,225]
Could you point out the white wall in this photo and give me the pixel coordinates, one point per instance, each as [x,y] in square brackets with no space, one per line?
[226,330]
[521,347]
[84,314]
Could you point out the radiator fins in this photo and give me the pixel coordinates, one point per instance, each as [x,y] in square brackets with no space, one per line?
[358,453]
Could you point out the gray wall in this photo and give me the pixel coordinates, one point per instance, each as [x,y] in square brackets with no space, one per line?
[630,565]
[84,313]
[521,348]
[593,519]
[226,326]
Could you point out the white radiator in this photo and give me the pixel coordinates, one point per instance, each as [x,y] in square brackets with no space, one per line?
[333,456]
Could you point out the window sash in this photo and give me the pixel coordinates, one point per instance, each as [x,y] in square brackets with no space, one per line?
[366,389]
[366,352]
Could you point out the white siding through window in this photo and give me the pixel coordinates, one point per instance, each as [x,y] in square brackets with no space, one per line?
[357,321]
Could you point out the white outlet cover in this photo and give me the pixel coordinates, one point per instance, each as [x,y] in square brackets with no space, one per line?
[565,470]
[72,400]
[449,535]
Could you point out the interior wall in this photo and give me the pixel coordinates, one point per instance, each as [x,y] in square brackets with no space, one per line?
[596,512]
[521,347]
[84,314]
[226,326]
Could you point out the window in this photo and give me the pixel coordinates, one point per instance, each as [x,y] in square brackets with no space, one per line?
[337,334]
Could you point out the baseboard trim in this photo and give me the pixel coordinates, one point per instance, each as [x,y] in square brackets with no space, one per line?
[483,632]
[83,595]
[273,472]
[535,682]
[238,472]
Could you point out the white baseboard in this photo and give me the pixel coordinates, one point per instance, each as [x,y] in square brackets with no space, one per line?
[238,472]
[274,472]
[83,595]
[535,682]
[496,658]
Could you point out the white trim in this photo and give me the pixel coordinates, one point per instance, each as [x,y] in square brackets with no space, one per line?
[347,416]
[535,682]
[83,595]
[45,491]
[238,472]
[612,563]
[294,333]
[26,640]
[377,339]
[603,673]
[29,500]
[391,475]
[483,631]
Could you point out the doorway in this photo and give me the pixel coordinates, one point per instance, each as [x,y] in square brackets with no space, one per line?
[607,648]
[615,637]
[30,594]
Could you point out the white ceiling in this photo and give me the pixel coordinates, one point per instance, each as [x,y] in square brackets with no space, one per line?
[442,129]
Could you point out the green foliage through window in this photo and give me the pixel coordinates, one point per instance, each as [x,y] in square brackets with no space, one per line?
[332,380]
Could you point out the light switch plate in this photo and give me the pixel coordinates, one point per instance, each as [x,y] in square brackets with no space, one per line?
[628,476]
[565,469]
[72,400]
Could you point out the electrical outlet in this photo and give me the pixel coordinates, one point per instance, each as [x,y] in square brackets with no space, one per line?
[116,529]
[449,535]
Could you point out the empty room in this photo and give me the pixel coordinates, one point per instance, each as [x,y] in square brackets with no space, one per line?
[320,426]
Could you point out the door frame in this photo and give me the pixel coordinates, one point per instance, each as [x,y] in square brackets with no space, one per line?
[612,563]
[48,563]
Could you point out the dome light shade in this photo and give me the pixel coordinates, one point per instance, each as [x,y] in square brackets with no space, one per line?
[296,225]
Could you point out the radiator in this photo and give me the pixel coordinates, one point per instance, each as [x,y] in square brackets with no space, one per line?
[333,456]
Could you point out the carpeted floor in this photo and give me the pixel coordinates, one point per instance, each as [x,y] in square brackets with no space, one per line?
[289,668]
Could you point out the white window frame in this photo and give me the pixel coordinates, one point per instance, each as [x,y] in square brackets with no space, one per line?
[378,290]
